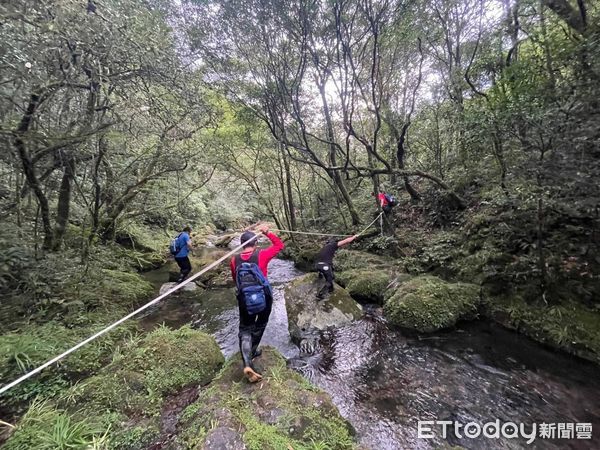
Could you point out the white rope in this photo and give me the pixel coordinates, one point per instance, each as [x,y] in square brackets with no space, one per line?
[120,321]
[327,234]
[369,226]
[311,233]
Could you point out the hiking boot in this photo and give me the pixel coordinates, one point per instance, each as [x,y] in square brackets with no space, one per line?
[246,349]
[252,375]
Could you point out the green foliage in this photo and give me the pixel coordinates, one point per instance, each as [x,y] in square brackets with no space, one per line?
[428,304]
[122,402]
[21,352]
[354,259]
[45,427]
[149,370]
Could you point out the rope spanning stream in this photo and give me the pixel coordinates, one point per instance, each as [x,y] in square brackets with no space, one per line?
[214,264]
[327,234]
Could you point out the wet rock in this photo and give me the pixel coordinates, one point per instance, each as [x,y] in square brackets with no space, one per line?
[223,438]
[190,287]
[223,241]
[306,314]
[282,411]
[427,304]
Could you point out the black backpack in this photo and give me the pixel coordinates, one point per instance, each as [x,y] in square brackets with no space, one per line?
[253,288]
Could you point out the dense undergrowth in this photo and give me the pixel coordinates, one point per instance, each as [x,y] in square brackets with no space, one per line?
[53,301]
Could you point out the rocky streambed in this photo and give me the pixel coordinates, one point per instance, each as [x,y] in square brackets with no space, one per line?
[382,381]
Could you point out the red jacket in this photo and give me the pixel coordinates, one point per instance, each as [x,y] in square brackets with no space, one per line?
[382,200]
[264,256]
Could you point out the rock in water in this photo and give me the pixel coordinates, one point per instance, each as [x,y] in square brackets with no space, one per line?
[307,315]
[223,241]
[188,287]
[427,304]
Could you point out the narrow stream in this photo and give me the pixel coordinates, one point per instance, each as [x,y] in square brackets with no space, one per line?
[384,382]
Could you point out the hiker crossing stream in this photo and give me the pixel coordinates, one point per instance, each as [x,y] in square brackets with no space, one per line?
[383,382]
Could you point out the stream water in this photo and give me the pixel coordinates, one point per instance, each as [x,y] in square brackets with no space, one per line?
[384,382]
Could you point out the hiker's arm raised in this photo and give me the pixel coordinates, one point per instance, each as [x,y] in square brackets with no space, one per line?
[347,241]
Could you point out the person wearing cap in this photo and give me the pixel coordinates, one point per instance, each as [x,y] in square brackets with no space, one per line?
[252,326]
[324,263]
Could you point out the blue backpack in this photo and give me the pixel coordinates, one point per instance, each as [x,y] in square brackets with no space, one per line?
[175,245]
[253,288]
[392,201]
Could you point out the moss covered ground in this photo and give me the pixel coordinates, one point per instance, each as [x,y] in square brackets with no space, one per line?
[120,407]
[281,412]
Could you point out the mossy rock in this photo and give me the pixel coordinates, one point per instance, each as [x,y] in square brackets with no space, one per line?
[366,286]
[306,314]
[164,361]
[282,411]
[570,327]
[304,257]
[427,304]
[123,402]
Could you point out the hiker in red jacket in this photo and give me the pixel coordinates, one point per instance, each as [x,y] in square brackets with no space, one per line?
[254,295]
[384,201]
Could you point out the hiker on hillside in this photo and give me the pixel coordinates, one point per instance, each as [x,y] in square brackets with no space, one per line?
[324,264]
[254,294]
[180,249]
[386,201]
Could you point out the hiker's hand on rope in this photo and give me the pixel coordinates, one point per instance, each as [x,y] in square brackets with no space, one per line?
[263,228]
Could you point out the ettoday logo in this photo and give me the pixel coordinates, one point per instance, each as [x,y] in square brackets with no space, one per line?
[427,429]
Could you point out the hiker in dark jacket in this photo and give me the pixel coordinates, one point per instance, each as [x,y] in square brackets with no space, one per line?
[324,263]
[253,316]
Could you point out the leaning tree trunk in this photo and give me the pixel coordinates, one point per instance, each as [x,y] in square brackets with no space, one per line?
[334,174]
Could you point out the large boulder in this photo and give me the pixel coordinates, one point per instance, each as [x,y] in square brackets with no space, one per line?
[306,314]
[427,304]
[283,411]
[366,286]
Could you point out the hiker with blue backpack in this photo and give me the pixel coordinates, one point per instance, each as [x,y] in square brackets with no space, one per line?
[386,203]
[254,294]
[180,248]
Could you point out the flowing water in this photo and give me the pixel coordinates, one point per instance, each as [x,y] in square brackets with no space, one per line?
[384,382]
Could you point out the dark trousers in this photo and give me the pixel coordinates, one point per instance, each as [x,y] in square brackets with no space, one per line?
[185,266]
[252,328]
[326,271]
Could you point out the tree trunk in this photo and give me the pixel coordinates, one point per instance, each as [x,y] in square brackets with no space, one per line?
[64,205]
[335,175]
[290,195]
[29,169]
